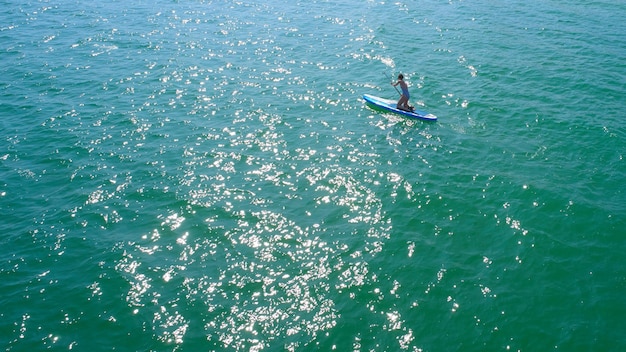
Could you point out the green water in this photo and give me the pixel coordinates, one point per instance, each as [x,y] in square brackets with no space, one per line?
[204,176]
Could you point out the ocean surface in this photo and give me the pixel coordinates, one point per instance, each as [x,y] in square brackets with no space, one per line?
[205,176]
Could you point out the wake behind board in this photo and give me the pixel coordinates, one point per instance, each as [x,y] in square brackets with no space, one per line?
[390,106]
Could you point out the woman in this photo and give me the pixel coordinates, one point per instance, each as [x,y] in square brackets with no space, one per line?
[403,102]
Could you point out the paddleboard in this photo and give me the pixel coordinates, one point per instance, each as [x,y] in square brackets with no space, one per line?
[390,106]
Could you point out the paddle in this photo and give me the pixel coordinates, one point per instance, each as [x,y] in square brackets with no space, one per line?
[391,78]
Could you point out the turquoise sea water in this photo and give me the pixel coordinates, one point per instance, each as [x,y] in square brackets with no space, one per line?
[204,176]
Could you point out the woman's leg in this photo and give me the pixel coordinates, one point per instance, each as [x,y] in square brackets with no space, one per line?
[403,103]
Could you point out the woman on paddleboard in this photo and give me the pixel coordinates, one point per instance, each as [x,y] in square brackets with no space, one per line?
[403,102]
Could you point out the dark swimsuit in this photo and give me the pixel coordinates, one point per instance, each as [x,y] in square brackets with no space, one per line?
[405,92]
